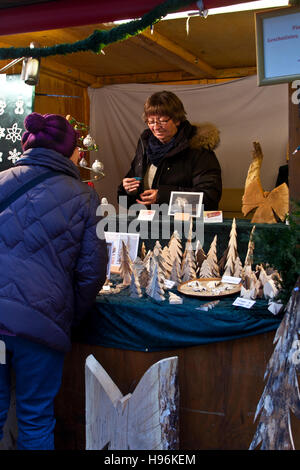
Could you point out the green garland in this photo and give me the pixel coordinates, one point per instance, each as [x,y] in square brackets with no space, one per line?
[99,38]
[282,253]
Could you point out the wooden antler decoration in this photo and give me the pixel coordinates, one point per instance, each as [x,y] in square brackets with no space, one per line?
[266,203]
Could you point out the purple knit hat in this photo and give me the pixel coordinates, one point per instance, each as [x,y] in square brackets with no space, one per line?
[51,131]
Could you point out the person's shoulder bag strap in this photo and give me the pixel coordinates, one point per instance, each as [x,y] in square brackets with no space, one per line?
[23,189]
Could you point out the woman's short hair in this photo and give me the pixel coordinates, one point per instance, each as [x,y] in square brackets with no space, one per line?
[164,103]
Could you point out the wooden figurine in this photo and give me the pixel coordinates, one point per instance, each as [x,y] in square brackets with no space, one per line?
[146,419]
[266,203]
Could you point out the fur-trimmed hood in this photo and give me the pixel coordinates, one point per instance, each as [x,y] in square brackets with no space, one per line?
[207,136]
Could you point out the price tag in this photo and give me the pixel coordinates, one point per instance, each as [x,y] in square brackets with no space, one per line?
[246,303]
[169,284]
[212,216]
[231,279]
[106,288]
[146,215]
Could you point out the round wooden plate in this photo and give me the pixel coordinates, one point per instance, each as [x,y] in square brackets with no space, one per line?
[187,289]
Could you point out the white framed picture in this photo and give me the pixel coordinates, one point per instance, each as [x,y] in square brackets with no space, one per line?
[115,239]
[185,203]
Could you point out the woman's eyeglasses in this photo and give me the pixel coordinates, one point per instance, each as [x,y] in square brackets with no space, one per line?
[159,122]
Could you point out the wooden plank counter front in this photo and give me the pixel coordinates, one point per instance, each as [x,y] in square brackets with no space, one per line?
[220,385]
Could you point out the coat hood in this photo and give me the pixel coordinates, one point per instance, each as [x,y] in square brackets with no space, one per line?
[50,159]
[207,135]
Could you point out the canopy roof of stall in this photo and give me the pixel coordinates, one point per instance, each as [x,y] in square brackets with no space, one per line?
[219,46]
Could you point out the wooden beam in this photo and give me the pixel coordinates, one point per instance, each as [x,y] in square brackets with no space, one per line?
[175,54]
[169,77]
[72,74]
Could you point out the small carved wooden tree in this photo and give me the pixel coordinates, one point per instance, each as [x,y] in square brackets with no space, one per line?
[199,255]
[232,251]
[155,288]
[125,264]
[188,269]
[175,247]
[212,258]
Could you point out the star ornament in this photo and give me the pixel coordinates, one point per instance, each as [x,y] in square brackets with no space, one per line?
[270,205]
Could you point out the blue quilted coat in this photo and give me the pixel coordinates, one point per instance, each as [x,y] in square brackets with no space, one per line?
[52,263]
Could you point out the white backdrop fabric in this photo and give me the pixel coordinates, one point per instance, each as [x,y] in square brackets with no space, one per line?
[242,111]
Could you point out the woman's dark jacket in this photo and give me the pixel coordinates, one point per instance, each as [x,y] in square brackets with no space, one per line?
[191,166]
[52,262]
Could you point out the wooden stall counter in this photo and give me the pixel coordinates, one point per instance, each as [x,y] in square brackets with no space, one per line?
[220,385]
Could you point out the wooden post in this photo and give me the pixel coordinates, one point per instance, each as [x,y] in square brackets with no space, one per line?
[147,419]
[294,142]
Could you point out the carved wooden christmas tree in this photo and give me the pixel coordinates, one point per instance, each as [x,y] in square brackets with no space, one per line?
[167,265]
[144,277]
[175,274]
[148,261]
[232,251]
[200,256]
[155,288]
[125,264]
[206,270]
[188,269]
[238,267]
[222,262]
[158,258]
[135,287]
[175,247]
[212,258]
[250,250]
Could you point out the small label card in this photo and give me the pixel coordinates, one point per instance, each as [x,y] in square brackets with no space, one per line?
[231,279]
[185,216]
[106,288]
[169,284]
[146,215]
[212,216]
[241,302]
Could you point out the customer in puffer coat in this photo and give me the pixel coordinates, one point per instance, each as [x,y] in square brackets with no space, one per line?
[52,266]
[173,155]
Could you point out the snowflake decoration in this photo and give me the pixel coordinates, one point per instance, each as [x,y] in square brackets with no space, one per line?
[14,133]
[14,155]
[2,132]
[19,109]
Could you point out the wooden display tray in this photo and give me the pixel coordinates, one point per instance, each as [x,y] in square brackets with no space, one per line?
[186,290]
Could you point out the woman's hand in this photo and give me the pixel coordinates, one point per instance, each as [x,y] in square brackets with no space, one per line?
[130,184]
[148,197]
